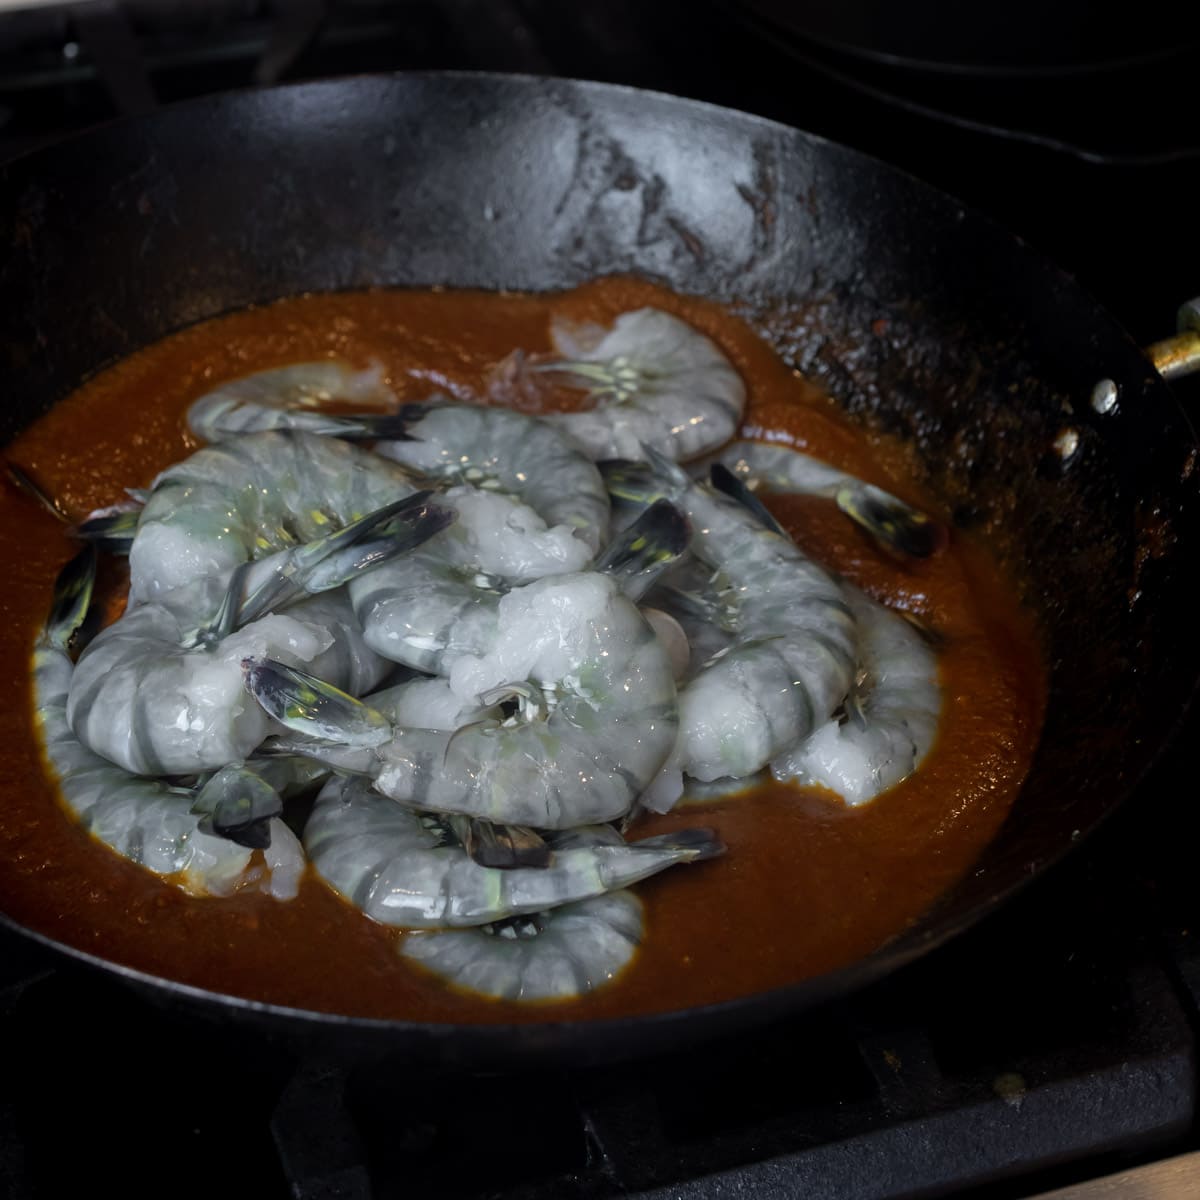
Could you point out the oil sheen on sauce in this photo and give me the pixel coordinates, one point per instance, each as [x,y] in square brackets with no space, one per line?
[807,885]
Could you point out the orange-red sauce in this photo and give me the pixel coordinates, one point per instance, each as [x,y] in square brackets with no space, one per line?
[808,884]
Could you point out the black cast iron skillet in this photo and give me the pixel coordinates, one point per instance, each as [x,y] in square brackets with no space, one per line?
[921,318]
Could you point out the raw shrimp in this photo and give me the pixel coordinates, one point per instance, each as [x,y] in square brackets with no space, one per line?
[596,719]
[156,695]
[891,716]
[110,529]
[248,497]
[704,604]
[655,379]
[514,475]
[433,608]
[149,700]
[145,820]
[776,467]
[558,955]
[404,869]
[792,653]
[288,398]
[506,452]
[554,508]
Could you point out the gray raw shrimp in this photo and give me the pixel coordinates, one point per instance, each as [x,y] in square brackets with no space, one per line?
[655,379]
[531,503]
[251,496]
[776,467]
[147,698]
[157,693]
[596,719]
[287,398]
[505,453]
[703,602]
[145,820]
[512,477]
[428,611]
[557,955]
[405,870]
[891,717]
[793,648]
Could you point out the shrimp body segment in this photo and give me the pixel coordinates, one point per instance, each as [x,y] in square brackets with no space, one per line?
[605,723]
[287,398]
[149,701]
[429,610]
[891,717]
[500,451]
[249,497]
[792,652]
[557,955]
[439,604]
[596,717]
[528,505]
[654,378]
[145,820]
[404,870]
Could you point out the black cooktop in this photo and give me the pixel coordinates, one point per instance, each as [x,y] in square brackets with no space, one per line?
[1054,1042]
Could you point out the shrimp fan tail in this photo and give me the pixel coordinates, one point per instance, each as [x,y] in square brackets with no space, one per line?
[643,551]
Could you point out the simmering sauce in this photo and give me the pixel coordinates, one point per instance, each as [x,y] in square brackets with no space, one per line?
[808,884]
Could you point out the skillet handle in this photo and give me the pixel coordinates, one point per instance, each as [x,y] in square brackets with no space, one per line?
[1179,355]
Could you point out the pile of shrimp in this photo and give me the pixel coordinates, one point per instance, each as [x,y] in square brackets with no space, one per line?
[442,654]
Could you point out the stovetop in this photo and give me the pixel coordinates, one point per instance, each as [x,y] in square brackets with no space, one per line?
[1054,1042]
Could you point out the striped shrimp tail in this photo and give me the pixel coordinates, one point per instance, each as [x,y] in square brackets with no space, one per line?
[338,557]
[72,598]
[692,845]
[898,528]
[381,427]
[238,804]
[110,529]
[643,551]
[725,481]
[310,706]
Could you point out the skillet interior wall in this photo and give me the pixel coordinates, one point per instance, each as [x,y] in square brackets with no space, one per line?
[923,320]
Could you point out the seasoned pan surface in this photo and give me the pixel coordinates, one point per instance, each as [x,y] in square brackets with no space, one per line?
[922,319]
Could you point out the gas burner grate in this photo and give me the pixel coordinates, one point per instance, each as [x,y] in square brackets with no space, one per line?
[1055,1035]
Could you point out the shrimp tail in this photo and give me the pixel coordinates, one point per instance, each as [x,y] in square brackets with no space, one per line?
[643,551]
[71,599]
[502,846]
[228,615]
[325,756]
[671,477]
[335,559]
[412,522]
[25,481]
[308,705]
[724,480]
[382,427]
[110,529]
[369,427]
[632,486]
[694,845]
[900,529]
[238,805]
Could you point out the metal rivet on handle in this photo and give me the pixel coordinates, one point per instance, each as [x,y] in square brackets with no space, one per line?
[1179,355]
[1104,396]
[1066,443]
